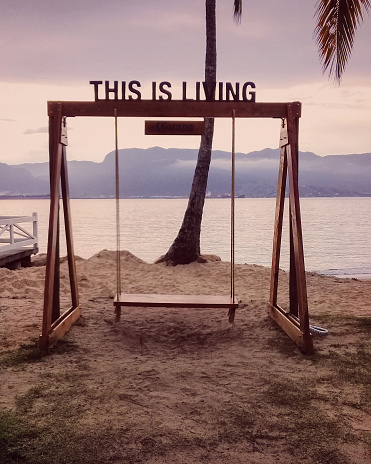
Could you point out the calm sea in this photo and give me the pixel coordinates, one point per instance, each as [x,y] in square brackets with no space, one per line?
[336,231]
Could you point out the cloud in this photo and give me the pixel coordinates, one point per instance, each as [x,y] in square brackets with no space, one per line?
[161,40]
[165,41]
[247,165]
[40,130]
[186,164]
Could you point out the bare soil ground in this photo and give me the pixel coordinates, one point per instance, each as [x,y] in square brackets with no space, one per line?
[183,385]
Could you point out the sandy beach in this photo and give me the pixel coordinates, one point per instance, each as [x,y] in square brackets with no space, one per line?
[183,385]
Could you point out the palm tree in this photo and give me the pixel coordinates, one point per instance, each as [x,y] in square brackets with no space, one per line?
[336,27]
[337,23]
[186,246]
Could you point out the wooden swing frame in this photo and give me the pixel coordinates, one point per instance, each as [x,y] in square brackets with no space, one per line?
[295,321]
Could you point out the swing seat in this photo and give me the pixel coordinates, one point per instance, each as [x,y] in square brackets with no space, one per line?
[175,301]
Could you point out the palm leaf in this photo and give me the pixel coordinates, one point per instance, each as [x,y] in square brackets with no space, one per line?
[337,23]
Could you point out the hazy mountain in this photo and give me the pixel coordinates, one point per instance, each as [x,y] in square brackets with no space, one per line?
[157,172]
[17,180]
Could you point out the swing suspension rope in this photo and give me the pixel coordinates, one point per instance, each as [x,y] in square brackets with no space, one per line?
[117,179]
[117,175]
[232,202]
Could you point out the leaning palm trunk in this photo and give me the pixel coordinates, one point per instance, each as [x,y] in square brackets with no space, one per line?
[186,246]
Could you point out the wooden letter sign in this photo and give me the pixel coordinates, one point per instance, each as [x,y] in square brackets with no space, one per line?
[174,128]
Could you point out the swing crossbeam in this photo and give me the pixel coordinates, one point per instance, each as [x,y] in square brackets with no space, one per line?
[171,108]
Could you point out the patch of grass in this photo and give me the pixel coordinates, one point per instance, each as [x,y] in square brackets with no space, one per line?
[281,343]
[364,324]
[317,437]
[328,317]
[24,354]
[61,441]
[28,353]
[309,431]
[14,433]
[350,371]
[4,342]
[236,424]
[63,346]
[25,402]
[354,323]
[282,392]
[353,368]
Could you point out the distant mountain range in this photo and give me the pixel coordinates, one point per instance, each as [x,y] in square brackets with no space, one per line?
[159,172]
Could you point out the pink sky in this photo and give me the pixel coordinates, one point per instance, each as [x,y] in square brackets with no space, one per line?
[51,49]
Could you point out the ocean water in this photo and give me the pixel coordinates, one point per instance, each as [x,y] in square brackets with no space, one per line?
[336,231]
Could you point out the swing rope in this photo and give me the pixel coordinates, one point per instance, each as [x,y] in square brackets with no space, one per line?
[232,201]
[118,260]
[122,300]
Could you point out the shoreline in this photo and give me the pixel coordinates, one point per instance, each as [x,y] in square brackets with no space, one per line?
[352,276]
[348,273]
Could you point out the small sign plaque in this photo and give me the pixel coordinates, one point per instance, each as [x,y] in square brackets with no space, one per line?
[284,140]
[64,138]
[174,127]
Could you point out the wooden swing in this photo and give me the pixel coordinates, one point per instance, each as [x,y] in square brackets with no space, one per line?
[294,321]
[174,301]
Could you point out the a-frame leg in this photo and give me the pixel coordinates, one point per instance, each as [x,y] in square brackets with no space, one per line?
[280,205]
[54,325]
[297,329]
[68,229]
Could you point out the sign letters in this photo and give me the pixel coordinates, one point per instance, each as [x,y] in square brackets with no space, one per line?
[200,91]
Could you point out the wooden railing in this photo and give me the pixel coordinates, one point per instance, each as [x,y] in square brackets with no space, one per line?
[14,236]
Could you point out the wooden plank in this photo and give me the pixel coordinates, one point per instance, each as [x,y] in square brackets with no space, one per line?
[15,219]
[293,285]
[295,221]
[17,245]
[68,230]
[154,127]
[171,108]
[9,257]
[61,327]
[51,261]
[14,236]
[280,203]
[54,141]
[297,238]
[18,242]
[292,330]
[176,301]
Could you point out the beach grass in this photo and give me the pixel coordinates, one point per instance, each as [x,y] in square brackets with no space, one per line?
[176,387]
[44,426]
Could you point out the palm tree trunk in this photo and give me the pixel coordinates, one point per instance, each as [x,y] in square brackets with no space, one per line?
[186,246]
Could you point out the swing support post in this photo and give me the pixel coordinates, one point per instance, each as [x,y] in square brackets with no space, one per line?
[294,322]
[54,325]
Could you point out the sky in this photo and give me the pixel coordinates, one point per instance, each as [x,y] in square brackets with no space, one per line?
[51,49]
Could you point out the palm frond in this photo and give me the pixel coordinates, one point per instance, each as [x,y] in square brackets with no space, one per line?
[237,10]
[337,23]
